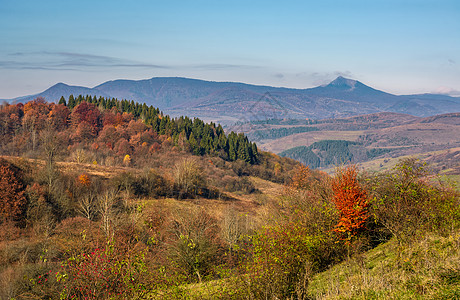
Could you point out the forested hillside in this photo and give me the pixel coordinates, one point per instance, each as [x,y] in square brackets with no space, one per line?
[112,131]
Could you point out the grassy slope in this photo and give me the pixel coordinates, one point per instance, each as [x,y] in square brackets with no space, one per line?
[427,269]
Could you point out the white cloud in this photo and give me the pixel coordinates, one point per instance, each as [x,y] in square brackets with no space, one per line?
[445,90]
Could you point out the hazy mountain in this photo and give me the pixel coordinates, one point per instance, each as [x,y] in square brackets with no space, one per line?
[232,101]
[348,89]
[58,90]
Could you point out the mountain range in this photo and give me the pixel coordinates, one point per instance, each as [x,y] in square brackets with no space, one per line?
[230,102]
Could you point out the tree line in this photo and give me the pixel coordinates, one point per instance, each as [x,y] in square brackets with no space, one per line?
[276,133]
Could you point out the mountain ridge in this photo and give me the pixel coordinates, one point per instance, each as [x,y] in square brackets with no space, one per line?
[230,101]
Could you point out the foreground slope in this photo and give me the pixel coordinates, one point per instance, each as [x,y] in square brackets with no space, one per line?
[426,269]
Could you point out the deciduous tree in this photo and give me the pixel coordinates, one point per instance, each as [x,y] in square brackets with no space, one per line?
[351,201]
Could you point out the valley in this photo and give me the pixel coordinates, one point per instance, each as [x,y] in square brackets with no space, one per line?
[366,138]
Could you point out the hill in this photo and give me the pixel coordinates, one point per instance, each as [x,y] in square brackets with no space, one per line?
[229,102]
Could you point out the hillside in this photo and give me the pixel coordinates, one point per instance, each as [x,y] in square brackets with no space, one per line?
[108,128]
[230,102]
[79,180]
[426,269]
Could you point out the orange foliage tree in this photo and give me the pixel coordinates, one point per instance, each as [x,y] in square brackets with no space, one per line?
[84,180]
[301,178]
[350,199]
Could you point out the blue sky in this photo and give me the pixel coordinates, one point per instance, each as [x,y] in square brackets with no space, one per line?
[400,46]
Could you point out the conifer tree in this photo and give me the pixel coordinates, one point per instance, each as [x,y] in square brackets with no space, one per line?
[62,101]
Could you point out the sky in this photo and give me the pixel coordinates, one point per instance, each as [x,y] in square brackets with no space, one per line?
[399,46]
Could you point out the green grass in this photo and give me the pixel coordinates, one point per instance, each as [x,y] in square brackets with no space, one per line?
[426,269]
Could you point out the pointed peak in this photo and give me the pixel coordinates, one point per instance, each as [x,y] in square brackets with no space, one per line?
[60,84]
[343,82]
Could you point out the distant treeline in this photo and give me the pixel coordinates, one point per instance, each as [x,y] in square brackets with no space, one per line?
[332,152]
[276,133]
[375,152]
[280,122]
[322,153]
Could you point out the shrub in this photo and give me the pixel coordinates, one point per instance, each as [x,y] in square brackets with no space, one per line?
[105,273]
[150,184]
[285,257]
[299,243]
[188,178]
[239,184]
[194,246]
[406,204]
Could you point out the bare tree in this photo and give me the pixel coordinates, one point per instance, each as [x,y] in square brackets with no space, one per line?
[50,147]
[188,175]
[87,206]
[107,211]
[231,227]
[79,156]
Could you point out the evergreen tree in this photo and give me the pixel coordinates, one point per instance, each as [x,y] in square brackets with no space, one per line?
[71,103]
[62,101]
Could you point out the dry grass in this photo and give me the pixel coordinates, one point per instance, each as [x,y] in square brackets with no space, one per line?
[70,167]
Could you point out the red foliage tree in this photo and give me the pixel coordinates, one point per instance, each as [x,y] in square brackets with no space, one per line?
[12,199]
[59,116]
[350,199]
[108,135]
[83,131]
[10,118]
[84,180]
[89,113]
[109,117]
[135,127]
[35,114]
[123,147]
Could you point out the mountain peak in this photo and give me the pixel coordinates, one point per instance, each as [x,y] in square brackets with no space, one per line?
[343,83]
[60,84]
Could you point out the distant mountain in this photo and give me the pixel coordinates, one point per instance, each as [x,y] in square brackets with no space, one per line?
[348,89]
[54,93]
[229,102]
